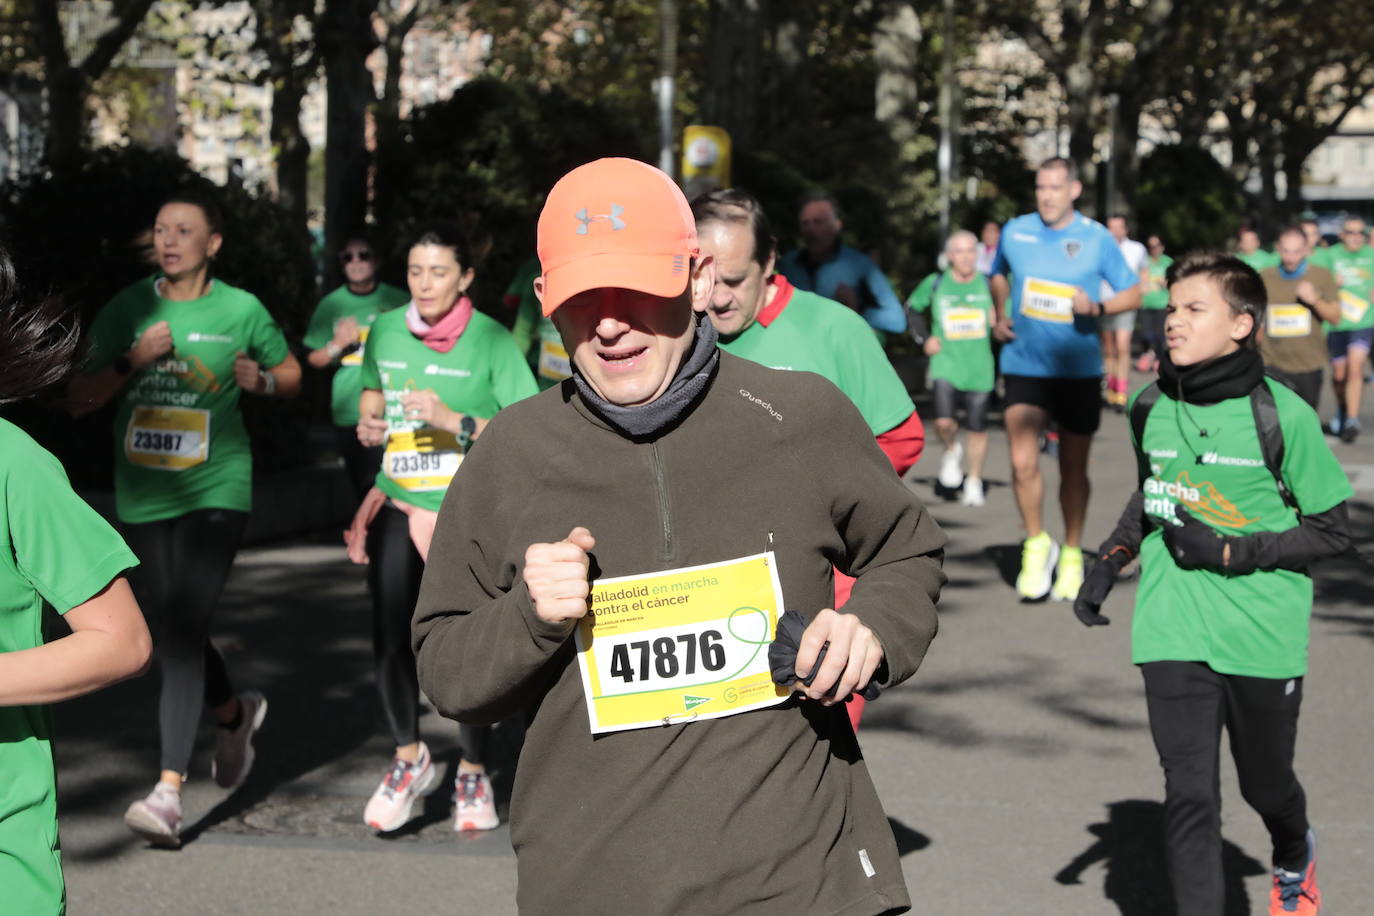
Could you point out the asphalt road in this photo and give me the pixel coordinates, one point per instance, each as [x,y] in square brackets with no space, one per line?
[1016,767]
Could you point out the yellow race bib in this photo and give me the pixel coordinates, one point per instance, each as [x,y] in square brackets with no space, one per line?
[1045,300]
[1352,306]
[679,645]
[422,461]
[167,438]
[965,324]
[355,358]
[553,361]
[1288,321]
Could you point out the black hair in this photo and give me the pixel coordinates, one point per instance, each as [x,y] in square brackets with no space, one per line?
[815,197]
[1059,162]
[195,198]
[1240,285]
[735,205]
[36,341]
[447,235]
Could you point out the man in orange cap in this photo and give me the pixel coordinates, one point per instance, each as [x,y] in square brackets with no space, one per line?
[612,558]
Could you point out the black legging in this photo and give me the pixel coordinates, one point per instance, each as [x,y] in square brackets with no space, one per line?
[394,579]
[1188,704]
[360,461]
[1152,331]
[183,563]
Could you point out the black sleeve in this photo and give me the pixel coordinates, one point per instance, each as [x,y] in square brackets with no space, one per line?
[1129,531]
[1325,534]
[916,324]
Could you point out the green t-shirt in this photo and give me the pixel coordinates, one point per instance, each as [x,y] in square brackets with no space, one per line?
[960,316]
[1156,292]
[179,443]
[1257,624]
[484,372]
[55,548]
[534,333]
[805,332]
[1260,259]
[1354,272]
[335,307]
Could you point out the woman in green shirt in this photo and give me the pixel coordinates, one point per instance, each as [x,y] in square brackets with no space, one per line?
[55,549]
[175,351]
[433,374]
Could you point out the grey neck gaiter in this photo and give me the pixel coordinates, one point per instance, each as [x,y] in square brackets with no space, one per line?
[647,421]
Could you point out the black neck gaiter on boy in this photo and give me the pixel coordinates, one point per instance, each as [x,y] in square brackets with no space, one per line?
[1231,376]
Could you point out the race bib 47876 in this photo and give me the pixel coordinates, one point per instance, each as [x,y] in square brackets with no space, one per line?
[683,644]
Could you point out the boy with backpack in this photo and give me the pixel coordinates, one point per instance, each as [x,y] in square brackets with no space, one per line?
[1239,494]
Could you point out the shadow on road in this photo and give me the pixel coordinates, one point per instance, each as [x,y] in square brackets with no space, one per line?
[908,840]
[1130,843]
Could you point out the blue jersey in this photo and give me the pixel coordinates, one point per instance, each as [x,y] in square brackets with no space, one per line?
[879,304]
[1045,266]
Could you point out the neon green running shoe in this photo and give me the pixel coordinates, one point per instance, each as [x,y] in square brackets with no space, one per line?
[1069,579]
[1038,556]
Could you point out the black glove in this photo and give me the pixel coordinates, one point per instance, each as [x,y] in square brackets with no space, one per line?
[1194,544]
[782,656]
[1098,585]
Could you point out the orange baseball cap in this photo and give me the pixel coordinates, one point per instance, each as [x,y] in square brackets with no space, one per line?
[615,223]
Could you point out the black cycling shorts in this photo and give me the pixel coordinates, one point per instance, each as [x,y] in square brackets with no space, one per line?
[1075,404]
[948,399]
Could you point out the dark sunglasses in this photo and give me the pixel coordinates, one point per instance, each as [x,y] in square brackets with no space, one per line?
[349,256]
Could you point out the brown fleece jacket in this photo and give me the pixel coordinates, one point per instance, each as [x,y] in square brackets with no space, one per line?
[770,811]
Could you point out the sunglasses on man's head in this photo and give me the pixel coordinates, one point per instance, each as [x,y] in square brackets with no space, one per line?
[349,256]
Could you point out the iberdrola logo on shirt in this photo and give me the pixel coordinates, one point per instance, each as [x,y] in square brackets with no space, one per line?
[1202,499]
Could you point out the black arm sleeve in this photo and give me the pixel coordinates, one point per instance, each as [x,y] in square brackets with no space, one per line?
[1325,534]
[1129,531]
[916,325]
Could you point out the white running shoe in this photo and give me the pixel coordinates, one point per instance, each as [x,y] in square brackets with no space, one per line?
[234,747]
[157,818]
[973,492]
[952,467]
[403,785]
[475,807]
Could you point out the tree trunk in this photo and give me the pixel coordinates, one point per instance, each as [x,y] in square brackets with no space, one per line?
[896,48]
[1268,202]
[1125,155]
[345,41]
[288,77]
[1080,90]
[66,133]
[789,88]
[730,98]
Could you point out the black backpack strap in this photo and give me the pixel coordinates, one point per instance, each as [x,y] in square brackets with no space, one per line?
[1140,412]
[1270,432]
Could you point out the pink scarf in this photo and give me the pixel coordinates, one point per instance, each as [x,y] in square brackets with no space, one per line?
[443,335]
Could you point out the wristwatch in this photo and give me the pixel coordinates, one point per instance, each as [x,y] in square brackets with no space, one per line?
[468,426]
[1101,309]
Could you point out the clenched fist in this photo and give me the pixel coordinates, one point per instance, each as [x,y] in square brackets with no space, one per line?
[557,576]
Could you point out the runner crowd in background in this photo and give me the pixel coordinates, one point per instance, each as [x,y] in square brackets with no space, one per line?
[1031,329]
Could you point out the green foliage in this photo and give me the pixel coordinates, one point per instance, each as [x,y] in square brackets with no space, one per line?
[485,159]
[99,208]
[76,233]
[1188,199]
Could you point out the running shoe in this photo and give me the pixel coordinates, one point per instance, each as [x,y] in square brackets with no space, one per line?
[952,467]
[1049,444]
[157,818]
[1069,577]
[401,788]
[234,747]
[475,807]
[1038,556]
[1146,363]
[1333,426]
[973,492]
[1296,891]
[1350,430]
